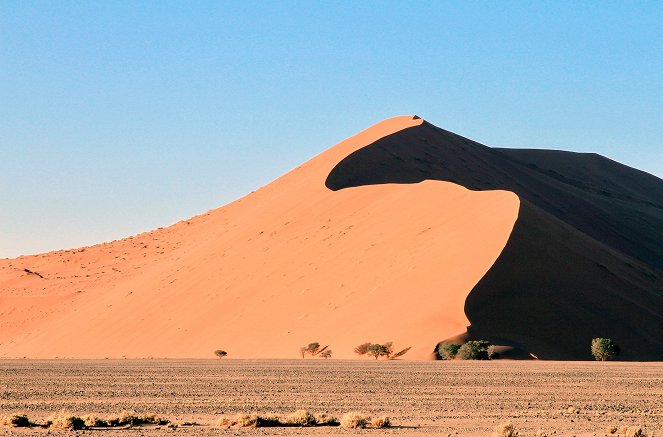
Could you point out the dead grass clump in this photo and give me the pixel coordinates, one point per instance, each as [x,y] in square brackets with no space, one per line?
[505,429]
[93,421]
[64,420]
[131,418]
[242,420]
[300,418]
[15,421]
[326,420]
[635,431]
[354,419]
[381,422]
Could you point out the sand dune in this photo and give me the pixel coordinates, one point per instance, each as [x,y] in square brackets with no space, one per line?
[403,232]
[288,264]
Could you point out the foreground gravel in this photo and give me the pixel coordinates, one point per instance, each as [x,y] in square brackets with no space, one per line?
[425,397]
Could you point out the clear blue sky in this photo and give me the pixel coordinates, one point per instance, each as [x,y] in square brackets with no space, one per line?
[118,117]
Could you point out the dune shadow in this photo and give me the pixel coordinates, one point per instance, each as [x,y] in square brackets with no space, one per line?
[576,265]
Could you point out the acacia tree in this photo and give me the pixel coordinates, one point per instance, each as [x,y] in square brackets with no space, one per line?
[220,353]
[312,349]
[326,354]
[604,349]
[474,350]
[448,351]
[378,350]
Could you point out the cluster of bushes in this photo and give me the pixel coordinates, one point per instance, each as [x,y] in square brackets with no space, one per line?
[64,420]
[303,418]
[472,350]
[377,350]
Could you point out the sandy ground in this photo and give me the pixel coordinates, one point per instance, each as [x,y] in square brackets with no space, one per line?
[422,397]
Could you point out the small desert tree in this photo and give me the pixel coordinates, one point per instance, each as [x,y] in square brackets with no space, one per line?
[604,349]
[378,350]
[312,349]
[220,353]
[474,350]
[362,349]
[326,354]
[448,351]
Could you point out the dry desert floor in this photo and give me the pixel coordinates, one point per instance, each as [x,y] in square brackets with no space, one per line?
[421,397]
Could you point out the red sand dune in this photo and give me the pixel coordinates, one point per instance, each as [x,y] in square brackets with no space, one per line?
[404,232]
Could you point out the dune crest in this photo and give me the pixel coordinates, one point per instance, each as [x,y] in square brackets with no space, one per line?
[291,263]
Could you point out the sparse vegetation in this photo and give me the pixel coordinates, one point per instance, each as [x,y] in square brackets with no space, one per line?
[312,349]
[474,350]
[300,418]
[326,354]
[303,418]
[448,351]
[220,353]
[64,420]
[15,421]
[604,349]
[354,420]
[378,350]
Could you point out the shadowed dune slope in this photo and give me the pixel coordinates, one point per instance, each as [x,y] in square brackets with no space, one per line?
[291,263]
[585,255]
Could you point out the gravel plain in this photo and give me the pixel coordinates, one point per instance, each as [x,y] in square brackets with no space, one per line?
[421,397]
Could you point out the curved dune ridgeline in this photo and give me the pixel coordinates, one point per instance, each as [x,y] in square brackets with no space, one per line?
[404,232]
[585,256]
[291,263]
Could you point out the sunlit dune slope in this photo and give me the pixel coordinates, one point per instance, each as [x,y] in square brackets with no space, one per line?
[291,263]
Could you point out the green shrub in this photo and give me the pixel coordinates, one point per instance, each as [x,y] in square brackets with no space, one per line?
[448,351]
[474,350]
[326,354]
[604,349]
[378,350]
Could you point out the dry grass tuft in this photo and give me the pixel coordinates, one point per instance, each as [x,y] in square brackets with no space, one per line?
[381,422]
[541,433]
[15,421]
[354,419]
[505,429]
[93,421]
[326,420]
[300,418]
[242,420]
[64,420]
[131,418]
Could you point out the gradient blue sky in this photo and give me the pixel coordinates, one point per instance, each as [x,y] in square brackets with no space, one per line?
[118,117]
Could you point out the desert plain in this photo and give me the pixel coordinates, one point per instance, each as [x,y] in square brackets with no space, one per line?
[469,398]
